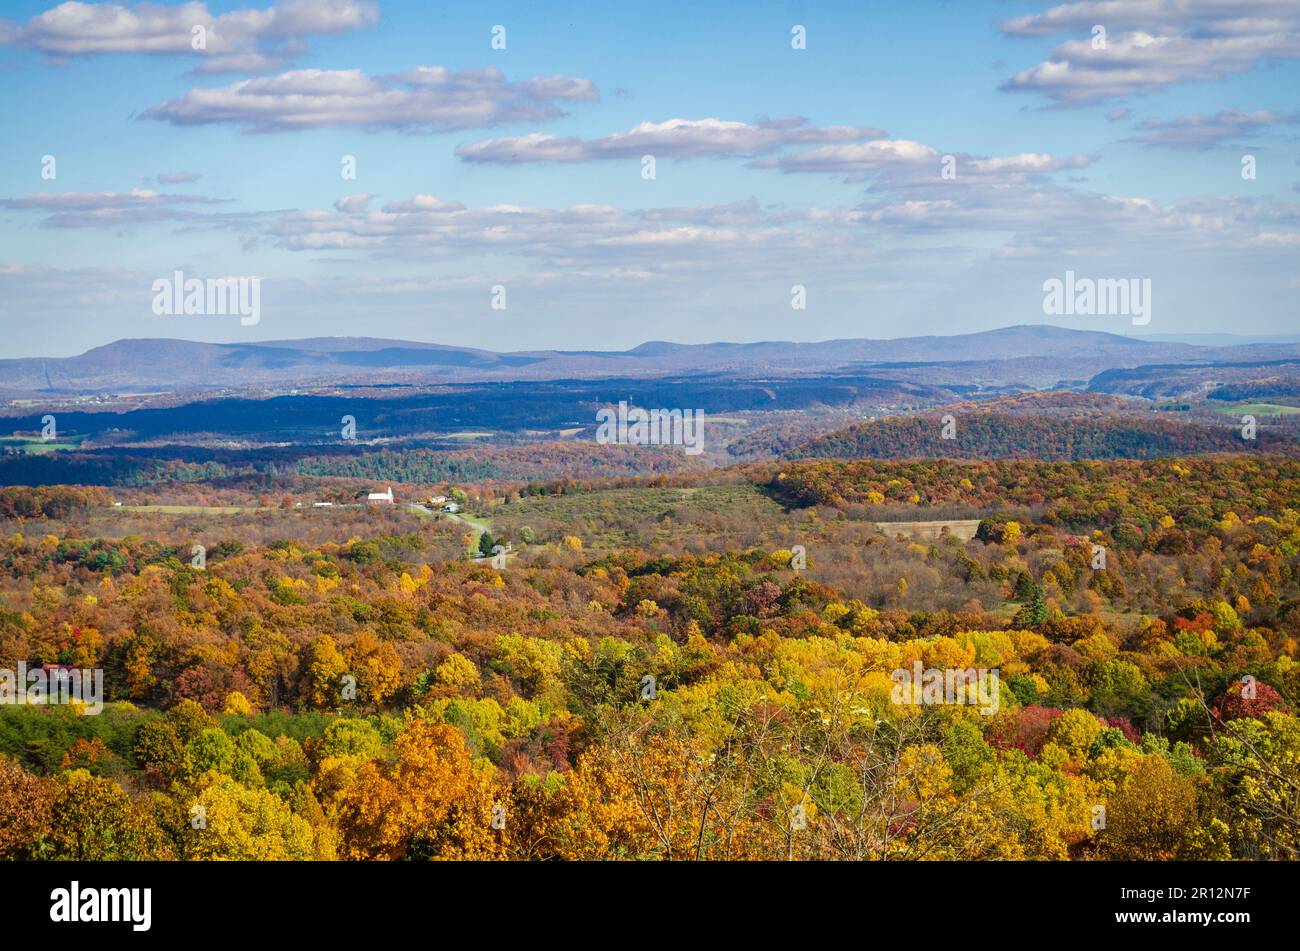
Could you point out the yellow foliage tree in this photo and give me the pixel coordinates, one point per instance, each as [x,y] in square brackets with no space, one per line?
[431,802]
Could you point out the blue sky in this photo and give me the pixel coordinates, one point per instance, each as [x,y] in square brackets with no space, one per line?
[522,167]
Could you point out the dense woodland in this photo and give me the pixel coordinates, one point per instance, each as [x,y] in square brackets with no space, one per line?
[648,676]
[996,435]
[269,468]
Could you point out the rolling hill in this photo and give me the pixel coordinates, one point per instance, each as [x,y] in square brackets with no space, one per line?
[1049,437]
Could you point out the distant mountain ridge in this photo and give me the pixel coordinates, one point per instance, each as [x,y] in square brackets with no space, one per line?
[1032,356]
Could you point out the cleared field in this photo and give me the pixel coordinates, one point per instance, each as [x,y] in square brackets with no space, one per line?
[963,528]
[476,521]
[1261,409]
[36,446]
[188,509]
[654,517]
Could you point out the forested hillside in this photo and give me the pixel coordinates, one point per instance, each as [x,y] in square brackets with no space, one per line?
[981,435]
[722,687]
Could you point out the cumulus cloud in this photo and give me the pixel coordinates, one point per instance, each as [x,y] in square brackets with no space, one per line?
[857,157]
[852,151]
[1151,44]
[427,98]
[673,138]
[1200,132]
[1208,17]
[897,162]
[243,40]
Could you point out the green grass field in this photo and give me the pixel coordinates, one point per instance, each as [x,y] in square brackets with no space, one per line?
[36,446]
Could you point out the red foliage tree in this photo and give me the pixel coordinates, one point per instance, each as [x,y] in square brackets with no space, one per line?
[1231,705]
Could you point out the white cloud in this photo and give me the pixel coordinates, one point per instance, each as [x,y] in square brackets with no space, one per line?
[354,204]
[428,98]
[852,151]
[1151,44]
[1199,132]
[1213,17]
[115,209]
[673,138]
[231,40]
[1048,216]
[858,157]
[897,162]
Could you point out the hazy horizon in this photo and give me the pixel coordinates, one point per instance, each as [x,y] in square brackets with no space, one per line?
[1209,339]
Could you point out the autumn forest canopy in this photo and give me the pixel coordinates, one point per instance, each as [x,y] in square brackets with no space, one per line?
[700,664]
